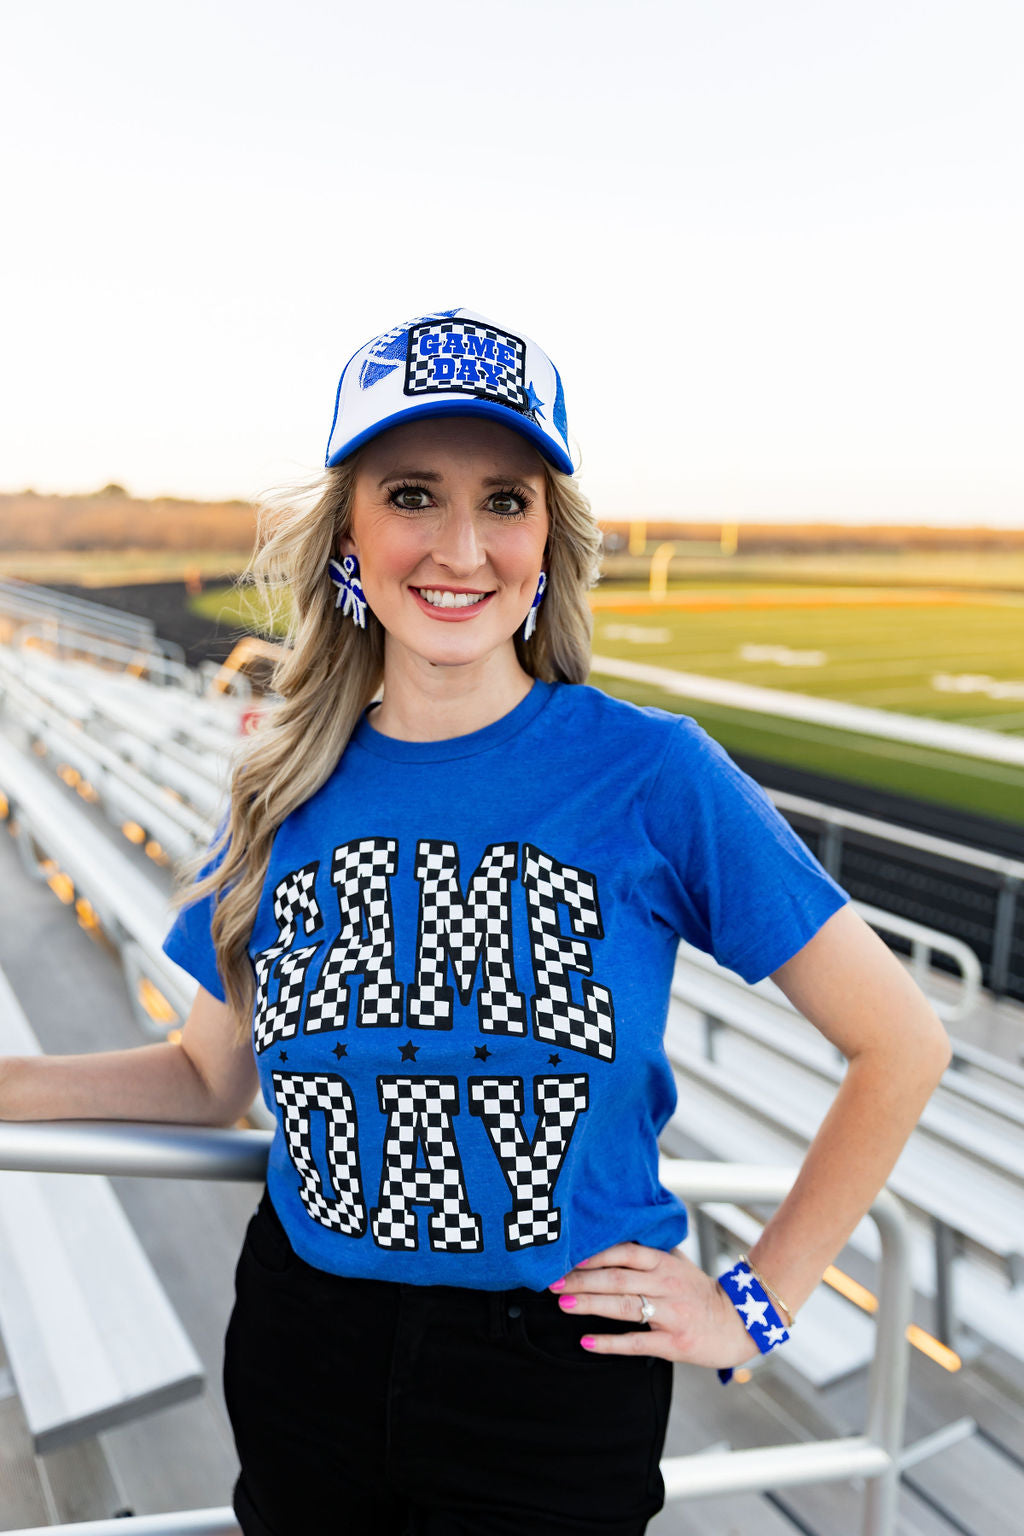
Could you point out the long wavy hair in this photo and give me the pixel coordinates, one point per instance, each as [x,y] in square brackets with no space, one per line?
[328,673]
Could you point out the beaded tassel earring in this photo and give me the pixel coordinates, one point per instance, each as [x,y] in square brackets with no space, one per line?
[351,598]
[531,617]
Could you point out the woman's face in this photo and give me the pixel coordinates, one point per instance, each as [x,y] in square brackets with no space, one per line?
[449,524]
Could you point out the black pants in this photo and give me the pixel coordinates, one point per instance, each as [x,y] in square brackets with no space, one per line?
[362,1408]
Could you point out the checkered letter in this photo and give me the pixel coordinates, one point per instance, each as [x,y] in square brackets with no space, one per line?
[531,1168]
[588,1027]
[294,902]
[419,1111]
[365,945]
[459,930]
[301,1095]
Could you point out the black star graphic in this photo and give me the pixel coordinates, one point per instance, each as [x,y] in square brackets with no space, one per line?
[340,1051]
[481,1053]
[283,1055]
[555,1059]
[408,1051]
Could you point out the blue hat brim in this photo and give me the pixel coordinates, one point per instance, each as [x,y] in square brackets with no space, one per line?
[461,406]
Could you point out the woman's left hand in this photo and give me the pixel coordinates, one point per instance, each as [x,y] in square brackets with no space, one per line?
[693,1318]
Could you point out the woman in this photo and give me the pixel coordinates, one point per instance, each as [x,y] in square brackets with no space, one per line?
[452,917]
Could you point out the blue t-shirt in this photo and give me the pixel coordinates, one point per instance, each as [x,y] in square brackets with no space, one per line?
[463,955]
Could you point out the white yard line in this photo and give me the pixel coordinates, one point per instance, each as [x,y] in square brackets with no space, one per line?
[968,740]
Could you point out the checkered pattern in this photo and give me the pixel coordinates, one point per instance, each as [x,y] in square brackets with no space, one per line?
[467,345]
[294,898]
[451,927]
[299,1095]
[360,870]
[419,1111]
[531,1169]
[589,1028]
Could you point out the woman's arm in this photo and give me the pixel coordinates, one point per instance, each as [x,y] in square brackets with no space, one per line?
[208,1078]
[858,995]
[854,990]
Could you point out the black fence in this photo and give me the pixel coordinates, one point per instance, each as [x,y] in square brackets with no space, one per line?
[982,907]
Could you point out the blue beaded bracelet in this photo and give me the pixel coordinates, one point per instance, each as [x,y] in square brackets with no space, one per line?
[754,1305]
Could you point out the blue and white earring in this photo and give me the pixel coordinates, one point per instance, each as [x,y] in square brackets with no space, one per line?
[351,598]
[531,617]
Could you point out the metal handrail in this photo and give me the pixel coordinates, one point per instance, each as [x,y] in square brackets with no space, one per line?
[1009,872]
[160,658]
[22,599]
[925,941]
[889,832]
[171,1151]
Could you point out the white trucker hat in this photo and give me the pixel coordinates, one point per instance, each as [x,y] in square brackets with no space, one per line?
[451,362]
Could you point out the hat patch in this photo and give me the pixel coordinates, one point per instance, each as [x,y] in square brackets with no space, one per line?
[459,357]
[387,352]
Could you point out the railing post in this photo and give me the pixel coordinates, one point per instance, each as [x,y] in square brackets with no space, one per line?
[887,1379]
[945,1303]
[191,1152]
[1002,939]
[832,847]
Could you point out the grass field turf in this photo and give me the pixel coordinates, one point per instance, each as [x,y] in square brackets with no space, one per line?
[946,656]
[879,647]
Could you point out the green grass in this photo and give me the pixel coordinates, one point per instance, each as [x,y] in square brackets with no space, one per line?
[234,608]
[113,568]
[882,657]
[967,783]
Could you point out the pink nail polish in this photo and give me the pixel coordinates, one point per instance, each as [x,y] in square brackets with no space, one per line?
[588,1341]
[559,1285]
[567,1303]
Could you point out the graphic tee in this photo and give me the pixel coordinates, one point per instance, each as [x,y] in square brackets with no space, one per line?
[463,954]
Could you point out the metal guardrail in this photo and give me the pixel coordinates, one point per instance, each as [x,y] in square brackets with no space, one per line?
[925,941]
[24,600]
[167,1151]
[1008,872]
[128,906]
[162,660]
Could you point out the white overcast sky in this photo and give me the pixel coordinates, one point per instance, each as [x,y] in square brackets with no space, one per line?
[776,247]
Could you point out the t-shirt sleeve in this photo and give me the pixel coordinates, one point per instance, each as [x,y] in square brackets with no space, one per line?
[731,875]
[190,942]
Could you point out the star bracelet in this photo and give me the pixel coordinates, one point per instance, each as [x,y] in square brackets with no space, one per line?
[752,1300]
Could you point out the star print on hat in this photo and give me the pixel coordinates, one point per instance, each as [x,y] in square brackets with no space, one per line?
[451,362]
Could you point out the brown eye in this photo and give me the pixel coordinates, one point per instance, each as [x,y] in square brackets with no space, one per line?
[509,503]
[410,498]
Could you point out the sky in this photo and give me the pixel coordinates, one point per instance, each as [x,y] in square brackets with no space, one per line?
[775,248]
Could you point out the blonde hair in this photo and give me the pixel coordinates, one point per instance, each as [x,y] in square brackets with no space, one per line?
[328,661]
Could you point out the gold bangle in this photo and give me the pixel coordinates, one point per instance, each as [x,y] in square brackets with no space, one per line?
[745,1259]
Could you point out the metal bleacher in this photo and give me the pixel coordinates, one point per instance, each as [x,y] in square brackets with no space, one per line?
[91,1337]
[109,768]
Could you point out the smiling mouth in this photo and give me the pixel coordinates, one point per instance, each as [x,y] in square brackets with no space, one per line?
[444,599]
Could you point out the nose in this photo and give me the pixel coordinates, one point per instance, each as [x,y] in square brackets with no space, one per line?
[458,546]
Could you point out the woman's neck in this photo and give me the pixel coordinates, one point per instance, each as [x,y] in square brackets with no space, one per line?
[423,702]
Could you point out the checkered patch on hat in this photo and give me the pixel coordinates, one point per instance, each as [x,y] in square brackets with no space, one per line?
[387,352]
[463,357]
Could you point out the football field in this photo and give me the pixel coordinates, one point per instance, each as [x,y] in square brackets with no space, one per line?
[941,654]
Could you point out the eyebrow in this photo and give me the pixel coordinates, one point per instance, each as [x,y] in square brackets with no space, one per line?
[432,478]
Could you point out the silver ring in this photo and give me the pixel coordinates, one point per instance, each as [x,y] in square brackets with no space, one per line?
[646,1308]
